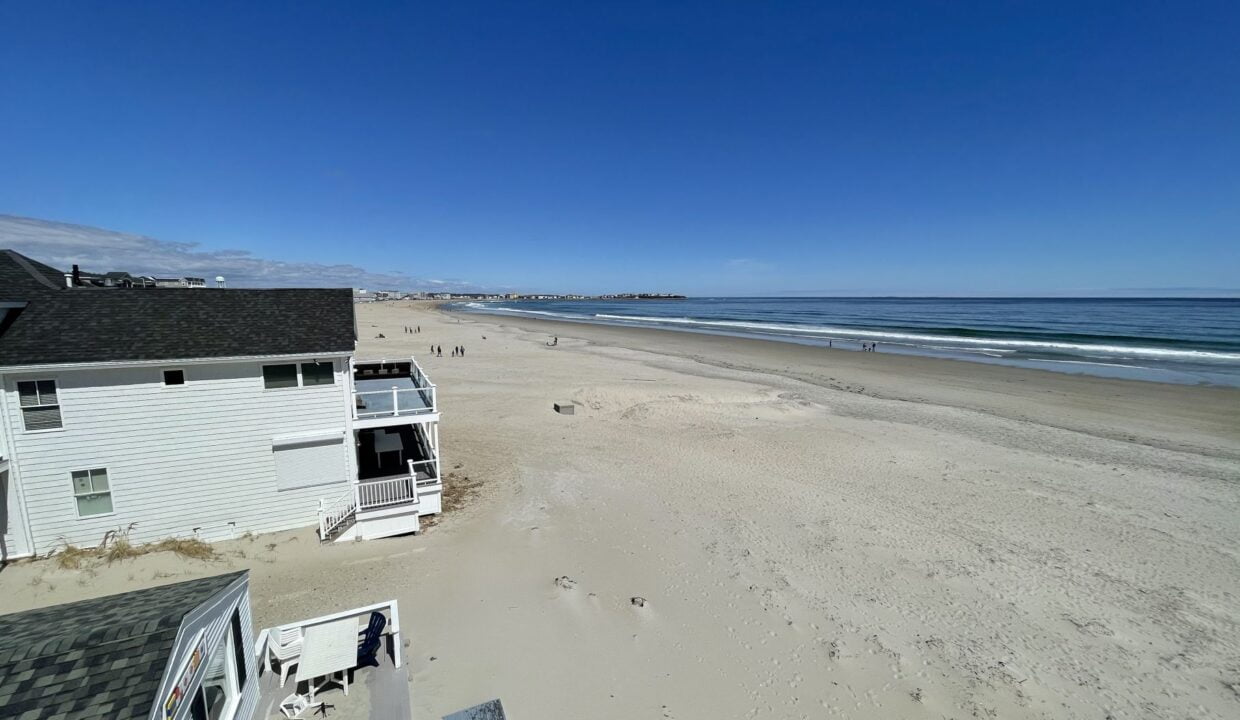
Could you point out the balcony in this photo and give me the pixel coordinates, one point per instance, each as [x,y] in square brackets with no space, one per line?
[374,692]
[383,390]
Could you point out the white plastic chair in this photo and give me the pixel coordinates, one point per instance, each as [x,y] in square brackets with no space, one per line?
[294,705]
[284,645]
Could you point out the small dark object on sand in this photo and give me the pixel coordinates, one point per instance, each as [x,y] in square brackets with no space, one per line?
[638,601]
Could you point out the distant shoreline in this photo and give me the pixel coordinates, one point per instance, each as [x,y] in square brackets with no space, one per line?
[1090,347]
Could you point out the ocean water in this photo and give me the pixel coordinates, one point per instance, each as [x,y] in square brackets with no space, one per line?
[1180,340]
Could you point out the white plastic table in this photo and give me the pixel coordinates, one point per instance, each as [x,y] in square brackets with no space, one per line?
[327,650]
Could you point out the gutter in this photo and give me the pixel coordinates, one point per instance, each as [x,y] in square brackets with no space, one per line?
[168,361]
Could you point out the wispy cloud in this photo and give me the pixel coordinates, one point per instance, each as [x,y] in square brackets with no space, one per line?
[62,245]
[749,265]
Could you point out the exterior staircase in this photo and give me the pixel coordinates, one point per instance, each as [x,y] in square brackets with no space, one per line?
[372,509]
[337,516]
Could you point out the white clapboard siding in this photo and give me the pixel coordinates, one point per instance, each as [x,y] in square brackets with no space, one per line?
[197,455]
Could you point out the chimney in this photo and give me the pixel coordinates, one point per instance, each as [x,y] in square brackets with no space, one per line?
[77,276]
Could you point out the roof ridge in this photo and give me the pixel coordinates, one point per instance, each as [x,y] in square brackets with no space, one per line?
[24,262]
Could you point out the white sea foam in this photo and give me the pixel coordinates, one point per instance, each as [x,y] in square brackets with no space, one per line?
[992,344]
[1086,362]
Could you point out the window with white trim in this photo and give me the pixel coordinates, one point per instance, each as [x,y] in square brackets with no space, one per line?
[279,376]
[92,492]
[40,404]
[318,373]
[220,693]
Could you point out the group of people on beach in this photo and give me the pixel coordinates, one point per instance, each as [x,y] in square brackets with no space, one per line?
[437,351]
[869,347]
[413,330]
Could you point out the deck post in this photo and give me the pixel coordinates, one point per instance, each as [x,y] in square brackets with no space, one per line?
[396,644]
[395,399]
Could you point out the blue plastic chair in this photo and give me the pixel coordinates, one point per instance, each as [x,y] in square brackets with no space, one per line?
[371,640]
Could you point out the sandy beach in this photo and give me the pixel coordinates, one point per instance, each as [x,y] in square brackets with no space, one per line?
[814,533]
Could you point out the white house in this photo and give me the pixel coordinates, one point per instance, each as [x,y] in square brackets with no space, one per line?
[170,412]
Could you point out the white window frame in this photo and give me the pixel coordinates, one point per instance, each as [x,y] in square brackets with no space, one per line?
[22,408]
[110,492]
[229,650]
[163,378]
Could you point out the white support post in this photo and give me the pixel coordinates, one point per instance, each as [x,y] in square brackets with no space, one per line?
[395,399]
[435,433]
[397,646]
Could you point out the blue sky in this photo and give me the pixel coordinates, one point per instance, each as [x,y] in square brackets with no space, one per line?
[709,148]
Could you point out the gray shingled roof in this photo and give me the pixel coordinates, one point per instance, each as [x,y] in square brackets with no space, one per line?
[101,658]
[82,325]
[21,277]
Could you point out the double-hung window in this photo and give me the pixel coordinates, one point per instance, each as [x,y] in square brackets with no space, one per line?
[92,492]
[39,403]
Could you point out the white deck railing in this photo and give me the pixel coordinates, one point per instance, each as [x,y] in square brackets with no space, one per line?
[419,375]
[429,467]
[400,399]
[335,513]
[389,609]
[369,404]
[374,494]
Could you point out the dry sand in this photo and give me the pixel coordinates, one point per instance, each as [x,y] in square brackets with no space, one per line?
[816,533]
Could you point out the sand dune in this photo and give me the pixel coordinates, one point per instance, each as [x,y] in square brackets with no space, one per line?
[814,533]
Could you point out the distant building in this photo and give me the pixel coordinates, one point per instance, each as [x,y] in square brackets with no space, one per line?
[192,282]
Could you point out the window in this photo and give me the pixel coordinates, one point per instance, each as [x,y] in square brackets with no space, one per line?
[317,373]
[92,492]
[174,377]
[220,691]
[238,642]
[39,403]
[279,376]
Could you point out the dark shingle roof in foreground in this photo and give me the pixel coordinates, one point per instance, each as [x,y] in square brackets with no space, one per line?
[85,325]
[101,658]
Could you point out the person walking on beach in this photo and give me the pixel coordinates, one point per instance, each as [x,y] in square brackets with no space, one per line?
[440,351]
[462,351]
